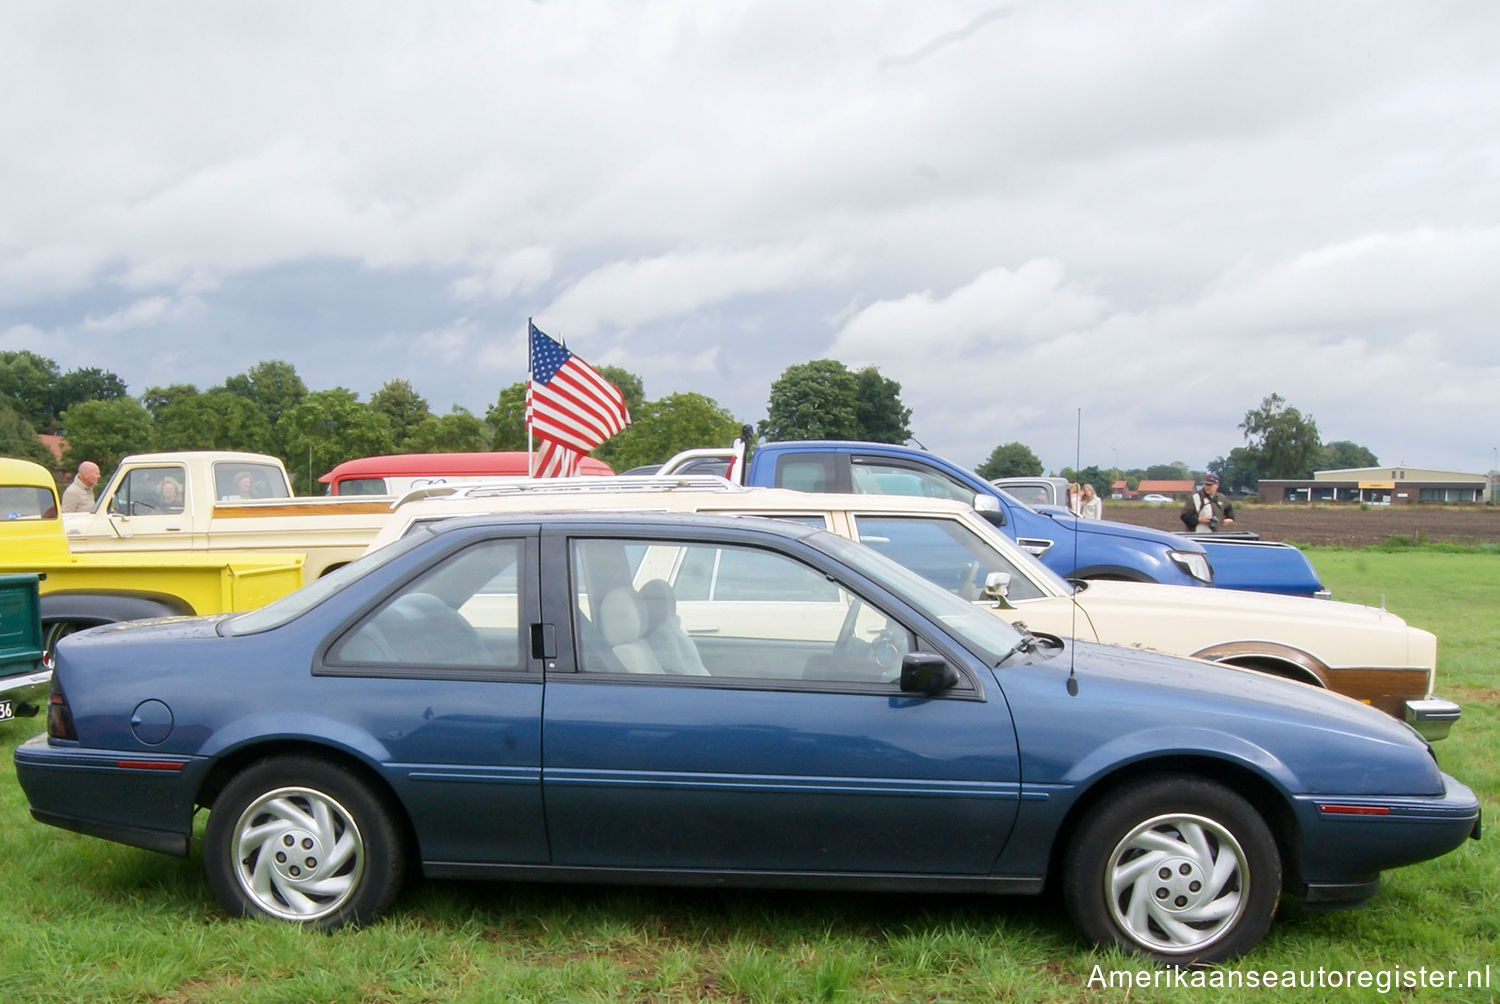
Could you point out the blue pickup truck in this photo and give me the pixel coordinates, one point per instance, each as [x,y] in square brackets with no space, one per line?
[1077,549]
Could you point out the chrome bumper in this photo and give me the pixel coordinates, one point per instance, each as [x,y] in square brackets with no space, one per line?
[1432,717]
[24,695]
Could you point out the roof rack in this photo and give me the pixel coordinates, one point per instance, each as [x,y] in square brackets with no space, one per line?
[571,486]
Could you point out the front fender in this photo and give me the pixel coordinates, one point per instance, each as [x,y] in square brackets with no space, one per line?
[1165,742]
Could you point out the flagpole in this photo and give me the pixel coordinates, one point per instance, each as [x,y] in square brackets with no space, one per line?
[530,456]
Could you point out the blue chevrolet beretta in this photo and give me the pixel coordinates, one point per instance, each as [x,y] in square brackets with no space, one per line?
[719,701]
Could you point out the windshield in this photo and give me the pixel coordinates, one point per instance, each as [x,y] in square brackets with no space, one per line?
[978,630]
[295,604]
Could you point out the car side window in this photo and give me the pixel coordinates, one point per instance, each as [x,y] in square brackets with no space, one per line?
[726,611]
[463,613]
[944,552]
[875,477]
[149,491]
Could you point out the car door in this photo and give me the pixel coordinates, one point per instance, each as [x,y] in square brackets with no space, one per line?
[451,684]
[816,762]
[146,508]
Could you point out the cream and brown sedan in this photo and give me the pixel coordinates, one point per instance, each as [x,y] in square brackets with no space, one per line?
[1369,654]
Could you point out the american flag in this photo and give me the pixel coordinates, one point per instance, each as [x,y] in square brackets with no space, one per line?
[569,407]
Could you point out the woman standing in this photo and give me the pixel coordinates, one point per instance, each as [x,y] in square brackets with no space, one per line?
[1092,507]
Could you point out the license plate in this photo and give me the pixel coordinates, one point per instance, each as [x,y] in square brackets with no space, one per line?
[6,714]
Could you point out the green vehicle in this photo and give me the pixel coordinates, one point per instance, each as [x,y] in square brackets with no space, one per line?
[23,675]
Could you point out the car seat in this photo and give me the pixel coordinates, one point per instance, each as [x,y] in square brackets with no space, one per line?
[676,652]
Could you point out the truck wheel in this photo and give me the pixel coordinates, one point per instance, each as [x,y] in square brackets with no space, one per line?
[55,632]
[302,840]
[1176,868]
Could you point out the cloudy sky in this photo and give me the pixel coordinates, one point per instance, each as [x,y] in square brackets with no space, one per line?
[1156,212]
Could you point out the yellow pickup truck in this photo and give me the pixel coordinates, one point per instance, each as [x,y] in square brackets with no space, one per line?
[85,590]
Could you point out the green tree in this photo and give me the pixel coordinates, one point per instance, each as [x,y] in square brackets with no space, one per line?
[1283,443]
[1175,471]
[91,384]
[326,428]
[106,431]
[459,431]
[507,416]
[404,408]
[677,422]
[217,420]
[813,400]
[27,383]
[272,386]
[158,399]
[1090,475]
[18,439]
[1342,455]
[878,411]
[1010,460]
[1237,472]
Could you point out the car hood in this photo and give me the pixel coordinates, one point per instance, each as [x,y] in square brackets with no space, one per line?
[1186,620]
[1094,706]
[1109,528]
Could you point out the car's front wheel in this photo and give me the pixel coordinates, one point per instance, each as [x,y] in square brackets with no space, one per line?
[1177,868]
[302,840]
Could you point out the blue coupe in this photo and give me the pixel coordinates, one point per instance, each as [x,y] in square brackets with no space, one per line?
[719,701]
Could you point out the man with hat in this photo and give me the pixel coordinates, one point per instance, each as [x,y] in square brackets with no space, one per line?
[1206,511]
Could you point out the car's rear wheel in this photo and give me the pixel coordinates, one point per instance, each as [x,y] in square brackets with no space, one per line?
[1176,868]
[305,841]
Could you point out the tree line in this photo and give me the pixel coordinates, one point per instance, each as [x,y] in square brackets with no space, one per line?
[1280,443]
[269,409]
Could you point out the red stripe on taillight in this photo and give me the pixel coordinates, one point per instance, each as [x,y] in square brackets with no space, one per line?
[1356,810]
[148,765]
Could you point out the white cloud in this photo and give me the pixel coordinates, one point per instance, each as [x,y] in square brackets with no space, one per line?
[629,293]
[1158,213]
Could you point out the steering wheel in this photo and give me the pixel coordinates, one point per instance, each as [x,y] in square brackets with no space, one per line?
[886,650]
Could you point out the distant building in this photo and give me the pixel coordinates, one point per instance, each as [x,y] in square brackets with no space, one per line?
[1176,489]
[1378,486]
[54,443]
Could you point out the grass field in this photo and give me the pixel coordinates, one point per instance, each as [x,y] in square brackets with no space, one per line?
[86,920]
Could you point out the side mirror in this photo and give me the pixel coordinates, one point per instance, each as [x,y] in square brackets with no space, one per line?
[989,507]
[997,589]
[925,673]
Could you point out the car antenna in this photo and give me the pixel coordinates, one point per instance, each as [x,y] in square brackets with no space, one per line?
[1077,525]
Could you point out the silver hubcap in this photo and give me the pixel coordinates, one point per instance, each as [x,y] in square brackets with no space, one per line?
[297,854]
[1177,883]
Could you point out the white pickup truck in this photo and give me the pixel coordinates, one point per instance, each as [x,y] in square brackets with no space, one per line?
[221,501]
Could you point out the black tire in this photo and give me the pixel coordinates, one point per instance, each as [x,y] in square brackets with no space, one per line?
[1140,872]
[304,841]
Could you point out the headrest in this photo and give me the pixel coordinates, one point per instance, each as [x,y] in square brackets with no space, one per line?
[621,616]
[661,602]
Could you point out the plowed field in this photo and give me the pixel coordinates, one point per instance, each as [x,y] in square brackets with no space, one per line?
[1344,526]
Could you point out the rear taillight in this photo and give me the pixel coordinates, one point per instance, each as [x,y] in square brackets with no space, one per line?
[59,718]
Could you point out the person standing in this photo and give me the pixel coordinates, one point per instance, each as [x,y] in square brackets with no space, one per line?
[79,495]
[1092,507]
[1207,510]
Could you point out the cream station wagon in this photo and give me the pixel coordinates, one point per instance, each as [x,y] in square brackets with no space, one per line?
[1369,654]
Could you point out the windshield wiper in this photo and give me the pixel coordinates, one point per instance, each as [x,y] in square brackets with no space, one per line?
[1026,643]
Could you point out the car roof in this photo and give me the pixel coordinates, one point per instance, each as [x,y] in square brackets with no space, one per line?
[626,521]
[688,498]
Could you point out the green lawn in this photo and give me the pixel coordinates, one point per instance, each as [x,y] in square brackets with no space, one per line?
[89,920]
